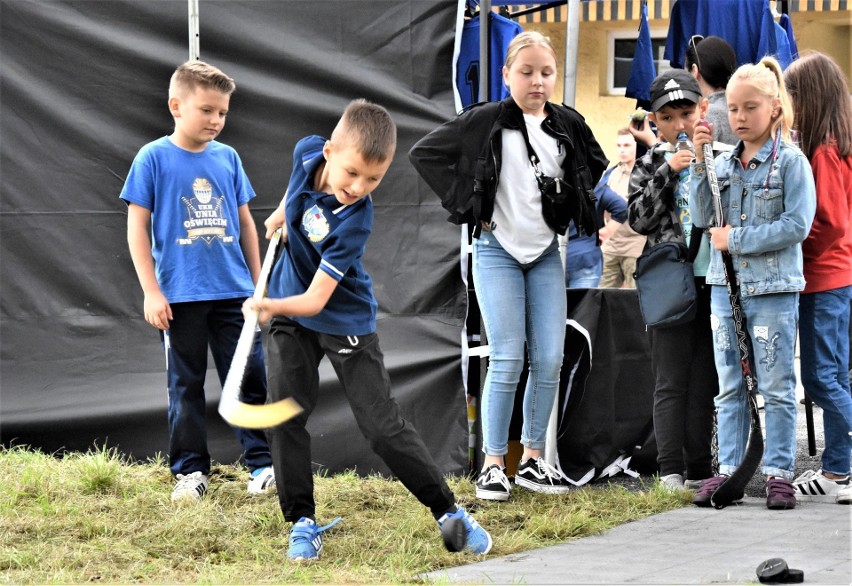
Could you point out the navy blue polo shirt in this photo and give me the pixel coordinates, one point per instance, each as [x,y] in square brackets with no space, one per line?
[327,236]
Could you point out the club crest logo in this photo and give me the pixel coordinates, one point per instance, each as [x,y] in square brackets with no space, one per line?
[205,216]
[315,224]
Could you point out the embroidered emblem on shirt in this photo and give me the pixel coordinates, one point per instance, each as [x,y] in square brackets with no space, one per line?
[315,224]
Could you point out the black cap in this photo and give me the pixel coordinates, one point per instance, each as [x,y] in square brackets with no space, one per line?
[673,85]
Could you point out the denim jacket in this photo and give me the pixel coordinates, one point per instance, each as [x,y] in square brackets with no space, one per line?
[769,222]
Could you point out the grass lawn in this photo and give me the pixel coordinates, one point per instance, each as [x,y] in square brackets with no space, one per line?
[97,518]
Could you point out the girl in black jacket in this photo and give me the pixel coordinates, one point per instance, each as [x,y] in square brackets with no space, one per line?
[520,170]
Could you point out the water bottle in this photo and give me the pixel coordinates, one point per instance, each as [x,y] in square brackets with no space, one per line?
[683,143]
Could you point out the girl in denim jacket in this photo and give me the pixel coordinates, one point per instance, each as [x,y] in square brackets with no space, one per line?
[768,201]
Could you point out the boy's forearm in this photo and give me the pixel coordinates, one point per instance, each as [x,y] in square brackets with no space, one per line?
[139,243]
[249,244]
[251,252]
[143,262]
[306,304]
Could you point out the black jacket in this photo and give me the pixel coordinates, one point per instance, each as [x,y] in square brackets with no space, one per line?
[460,160]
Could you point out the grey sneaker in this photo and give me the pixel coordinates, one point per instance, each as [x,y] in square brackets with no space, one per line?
[692,484]
[190,486]
[672,481]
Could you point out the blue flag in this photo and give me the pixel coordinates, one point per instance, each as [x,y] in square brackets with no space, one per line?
[643,71]
[748,26]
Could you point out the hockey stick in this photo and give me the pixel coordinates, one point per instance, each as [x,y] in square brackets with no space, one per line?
[231,409]
[734,487]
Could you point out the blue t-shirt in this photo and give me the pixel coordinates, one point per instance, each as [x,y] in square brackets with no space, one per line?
[194,199]
[324,235]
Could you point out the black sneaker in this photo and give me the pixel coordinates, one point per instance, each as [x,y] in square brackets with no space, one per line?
[492,484]
[538,476]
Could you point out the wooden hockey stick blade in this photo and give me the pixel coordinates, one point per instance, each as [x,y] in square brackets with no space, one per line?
[231,408]
[241,414]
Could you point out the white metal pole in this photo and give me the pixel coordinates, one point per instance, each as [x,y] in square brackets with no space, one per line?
[572,33]
[572,38]
[194,38]
[484,47]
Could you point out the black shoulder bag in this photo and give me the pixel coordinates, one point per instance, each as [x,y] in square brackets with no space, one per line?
[560,200]
[665,282]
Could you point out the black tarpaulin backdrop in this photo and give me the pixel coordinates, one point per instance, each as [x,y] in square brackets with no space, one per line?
[84,86]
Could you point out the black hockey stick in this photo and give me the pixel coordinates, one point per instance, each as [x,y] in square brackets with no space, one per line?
[734,487]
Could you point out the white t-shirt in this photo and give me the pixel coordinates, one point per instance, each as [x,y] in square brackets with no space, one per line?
[517,221]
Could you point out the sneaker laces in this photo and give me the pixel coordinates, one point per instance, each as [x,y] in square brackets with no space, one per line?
[553,475]
[495,475]
[306,531]
[807,475]
[188,481]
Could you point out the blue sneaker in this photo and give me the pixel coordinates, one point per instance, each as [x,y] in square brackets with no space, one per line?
[477,540]
[306,539]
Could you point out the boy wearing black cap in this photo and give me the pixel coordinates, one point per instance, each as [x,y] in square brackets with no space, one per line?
[682,355]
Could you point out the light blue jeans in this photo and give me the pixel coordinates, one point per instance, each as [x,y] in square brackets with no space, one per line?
[584,278]
[824,348]
[771,321]
[520,303]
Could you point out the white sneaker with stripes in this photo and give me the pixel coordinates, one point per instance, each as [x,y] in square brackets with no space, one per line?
[814,486]
[262,481]
[190,486]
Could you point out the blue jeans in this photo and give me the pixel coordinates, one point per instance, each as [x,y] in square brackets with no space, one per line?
[824,354]
[195,326]
[520,303]
[585,277]
[771,321]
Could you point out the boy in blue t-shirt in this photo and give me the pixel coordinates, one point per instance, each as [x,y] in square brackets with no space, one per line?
[324,306]
[196,264]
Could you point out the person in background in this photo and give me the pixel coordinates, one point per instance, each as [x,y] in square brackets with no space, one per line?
[822,117]
[712,61]
[622,245]
[188,195]
[681,355]
[584,260]
[768,201]
[481,156]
